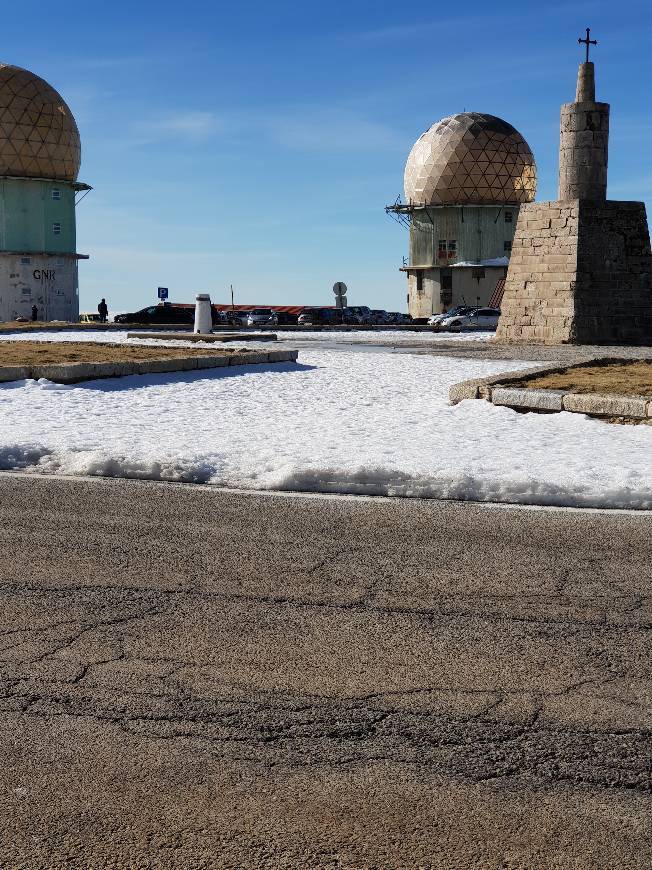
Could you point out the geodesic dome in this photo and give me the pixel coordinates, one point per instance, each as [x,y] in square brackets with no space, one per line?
[470,158]
[38,134]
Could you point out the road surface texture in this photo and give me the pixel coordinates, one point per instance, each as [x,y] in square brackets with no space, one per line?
[476,349]
[194,678]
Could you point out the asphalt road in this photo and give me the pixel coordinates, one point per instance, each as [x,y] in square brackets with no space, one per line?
[200,679]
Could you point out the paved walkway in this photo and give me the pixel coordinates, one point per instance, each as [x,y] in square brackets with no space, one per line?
[198,679]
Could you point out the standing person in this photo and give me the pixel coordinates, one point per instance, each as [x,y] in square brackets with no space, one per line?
[103,311]
[34,312]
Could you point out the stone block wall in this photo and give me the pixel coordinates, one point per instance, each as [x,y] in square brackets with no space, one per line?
[580,272]
[613,295]
[538,302]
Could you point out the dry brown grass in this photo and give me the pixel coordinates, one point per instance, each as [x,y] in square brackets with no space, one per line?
[26,353]
[626,378]
[55,326]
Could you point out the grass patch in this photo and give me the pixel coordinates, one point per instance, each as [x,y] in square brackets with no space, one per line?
[621,378]
[33,353]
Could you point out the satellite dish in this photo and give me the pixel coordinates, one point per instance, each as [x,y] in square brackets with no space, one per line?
[339,288]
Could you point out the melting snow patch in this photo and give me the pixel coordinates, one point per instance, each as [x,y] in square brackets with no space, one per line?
[342,422]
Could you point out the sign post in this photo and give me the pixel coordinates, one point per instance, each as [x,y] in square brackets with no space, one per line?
[162,293]
[339,289]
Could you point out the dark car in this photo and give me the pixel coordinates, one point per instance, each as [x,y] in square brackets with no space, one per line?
[158,314]
[357,314]
[220,318]
[320,317]
[283,318]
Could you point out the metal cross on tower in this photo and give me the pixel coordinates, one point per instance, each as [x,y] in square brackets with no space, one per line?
[587,41]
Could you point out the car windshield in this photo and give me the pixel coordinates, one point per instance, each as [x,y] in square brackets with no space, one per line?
[266,311]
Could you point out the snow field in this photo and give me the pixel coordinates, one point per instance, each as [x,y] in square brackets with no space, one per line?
[340,421]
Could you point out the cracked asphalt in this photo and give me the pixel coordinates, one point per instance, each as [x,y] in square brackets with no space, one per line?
[195,678]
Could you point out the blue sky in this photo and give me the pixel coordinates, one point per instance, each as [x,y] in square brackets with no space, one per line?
[257,143]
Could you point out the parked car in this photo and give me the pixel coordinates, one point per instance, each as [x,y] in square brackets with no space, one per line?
[158,314]
[90,317]
[320,317]
[220,318]
[259,317]
[282,318]
[237,318]
[356,314]
[438,319]
[481,318]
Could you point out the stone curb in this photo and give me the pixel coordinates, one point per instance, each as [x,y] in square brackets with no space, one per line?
[608,405]
[593,404]
[481,388]
[497,389]
[241,359]
[72,373]
[13,373]
[543,400]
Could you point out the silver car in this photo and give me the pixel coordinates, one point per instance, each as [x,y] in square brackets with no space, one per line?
[260,317]
[480,319]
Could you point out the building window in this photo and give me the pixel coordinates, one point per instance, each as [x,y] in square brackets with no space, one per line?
[25,261]
[56,229]
[508,217]
[507,247]
[478,274]
[446,279]
[446,248]
[419,284]
[56,193]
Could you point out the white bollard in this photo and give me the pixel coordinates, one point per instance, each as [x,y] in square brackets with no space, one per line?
[203,316]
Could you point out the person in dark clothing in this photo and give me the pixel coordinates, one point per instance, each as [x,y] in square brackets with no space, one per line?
[103,311]
[34,312]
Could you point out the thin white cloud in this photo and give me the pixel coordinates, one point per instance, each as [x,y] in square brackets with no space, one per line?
[419,29]
[185,125]
[330,130]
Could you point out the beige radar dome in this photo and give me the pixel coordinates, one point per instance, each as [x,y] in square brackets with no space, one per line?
[470,158]
[38,134]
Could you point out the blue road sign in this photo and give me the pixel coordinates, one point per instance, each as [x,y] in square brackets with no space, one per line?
[162,292]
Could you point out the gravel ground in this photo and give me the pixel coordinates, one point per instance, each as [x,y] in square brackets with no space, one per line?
[203,679]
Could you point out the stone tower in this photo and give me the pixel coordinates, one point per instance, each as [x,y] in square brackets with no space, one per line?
[584,142]
[581,268]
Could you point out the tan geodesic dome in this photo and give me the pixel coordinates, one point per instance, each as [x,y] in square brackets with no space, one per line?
[38,134]
[470,158]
